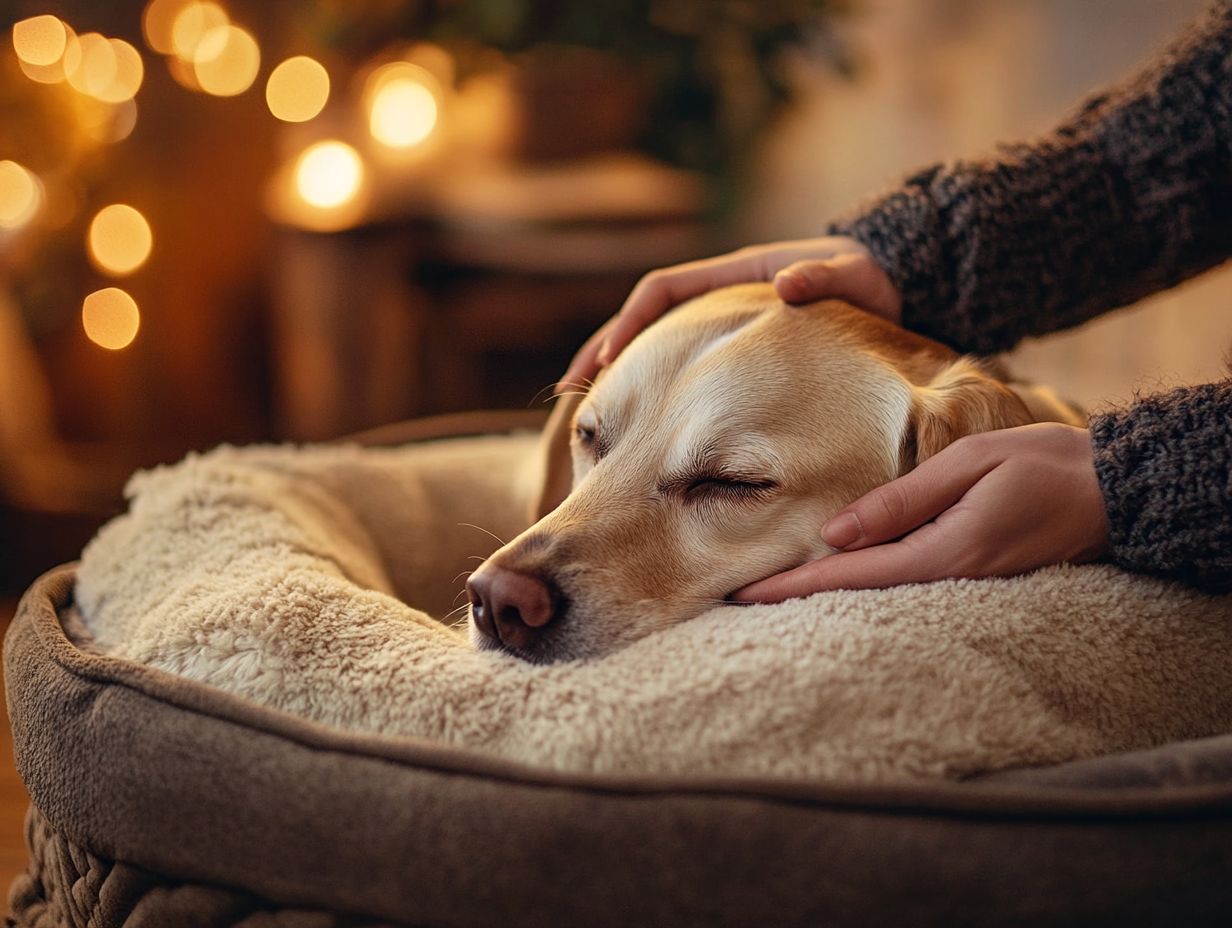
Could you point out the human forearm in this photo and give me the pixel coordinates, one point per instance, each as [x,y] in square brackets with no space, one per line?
[1130,196]
[1165,469]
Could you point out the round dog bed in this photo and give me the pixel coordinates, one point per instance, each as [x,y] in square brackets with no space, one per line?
[162,800]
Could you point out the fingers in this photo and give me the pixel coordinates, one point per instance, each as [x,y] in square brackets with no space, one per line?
[894,509]
[654,295]
[908,561]
[837,267]
[856,278]
[659,291]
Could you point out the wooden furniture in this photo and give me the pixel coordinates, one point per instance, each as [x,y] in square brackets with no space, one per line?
[473,296]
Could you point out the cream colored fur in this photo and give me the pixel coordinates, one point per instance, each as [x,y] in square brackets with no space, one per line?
[283,575]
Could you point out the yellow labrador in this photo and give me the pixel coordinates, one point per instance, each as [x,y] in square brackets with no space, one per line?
[709,455]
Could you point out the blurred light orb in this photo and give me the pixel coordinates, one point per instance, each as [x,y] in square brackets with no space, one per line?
[90,64]
[158,23]
[329,174]
[39,40]
[298,89]
[226,61]
[402,105]
[192,24]
[119,240]
[20,195]
[110,318]
[52,73]
[129,73]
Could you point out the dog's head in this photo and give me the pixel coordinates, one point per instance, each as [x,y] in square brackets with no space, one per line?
[708,455]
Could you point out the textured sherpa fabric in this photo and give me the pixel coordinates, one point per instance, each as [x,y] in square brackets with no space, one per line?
[284,575]
[1129,196]
[162,801]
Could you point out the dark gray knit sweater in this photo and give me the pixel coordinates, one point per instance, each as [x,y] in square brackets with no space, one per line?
[1131,195]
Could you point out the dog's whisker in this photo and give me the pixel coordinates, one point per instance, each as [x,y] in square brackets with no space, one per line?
[460,612]
[475,557]
[480,528]
[539,394]
[465,573]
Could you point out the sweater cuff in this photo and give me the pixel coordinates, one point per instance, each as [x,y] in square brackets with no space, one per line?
[1165,469]
[901,229]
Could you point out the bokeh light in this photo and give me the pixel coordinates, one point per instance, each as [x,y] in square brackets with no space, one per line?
[402,104]
[52,73]
[90,63]
[39,40]
[119,240]
[298,89]
[192,23]
[20,195]
[110,318]
[226,61]
[129,73]
[158,22]
[329,174]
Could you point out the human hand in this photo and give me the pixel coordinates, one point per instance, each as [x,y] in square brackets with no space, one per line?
[992,504]
[802,271]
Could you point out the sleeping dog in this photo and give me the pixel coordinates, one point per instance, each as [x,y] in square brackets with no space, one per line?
[709,454]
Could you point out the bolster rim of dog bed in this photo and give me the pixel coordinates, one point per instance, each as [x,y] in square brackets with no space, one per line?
[177,778]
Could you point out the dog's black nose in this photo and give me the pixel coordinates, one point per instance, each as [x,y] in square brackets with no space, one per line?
[510,606]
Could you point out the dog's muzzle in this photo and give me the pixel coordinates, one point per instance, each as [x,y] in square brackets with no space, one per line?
[512,608]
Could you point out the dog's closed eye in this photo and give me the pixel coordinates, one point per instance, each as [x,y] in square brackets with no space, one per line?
[726,486]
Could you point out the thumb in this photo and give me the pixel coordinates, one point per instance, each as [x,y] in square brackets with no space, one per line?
[856,278]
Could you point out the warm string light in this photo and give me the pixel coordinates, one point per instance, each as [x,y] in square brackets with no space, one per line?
[39,40]
[41,43]
[298,89]
[191,24]
[110,318]
[20,196]
[205,51]
[226,61]
[402,103]
[119,240]
[329,174]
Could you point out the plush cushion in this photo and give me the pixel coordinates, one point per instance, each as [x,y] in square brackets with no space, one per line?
[311,580]
[181,779]
[172,784]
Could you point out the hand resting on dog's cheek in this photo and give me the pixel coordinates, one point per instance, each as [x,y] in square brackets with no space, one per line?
[994,504]
[802,271]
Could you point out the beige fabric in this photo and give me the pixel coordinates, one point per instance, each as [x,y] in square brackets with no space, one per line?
[283,575]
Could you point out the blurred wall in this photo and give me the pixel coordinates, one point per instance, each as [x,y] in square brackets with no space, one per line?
[948,78]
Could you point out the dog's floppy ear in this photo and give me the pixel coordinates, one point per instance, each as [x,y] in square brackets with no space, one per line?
[960,400]
[556,460]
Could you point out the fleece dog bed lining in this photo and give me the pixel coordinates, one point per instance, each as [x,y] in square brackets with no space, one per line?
[158,797]
[311,580]
[168,782]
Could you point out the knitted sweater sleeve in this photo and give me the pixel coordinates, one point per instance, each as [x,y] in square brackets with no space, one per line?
[1131,195]
[1165,469]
